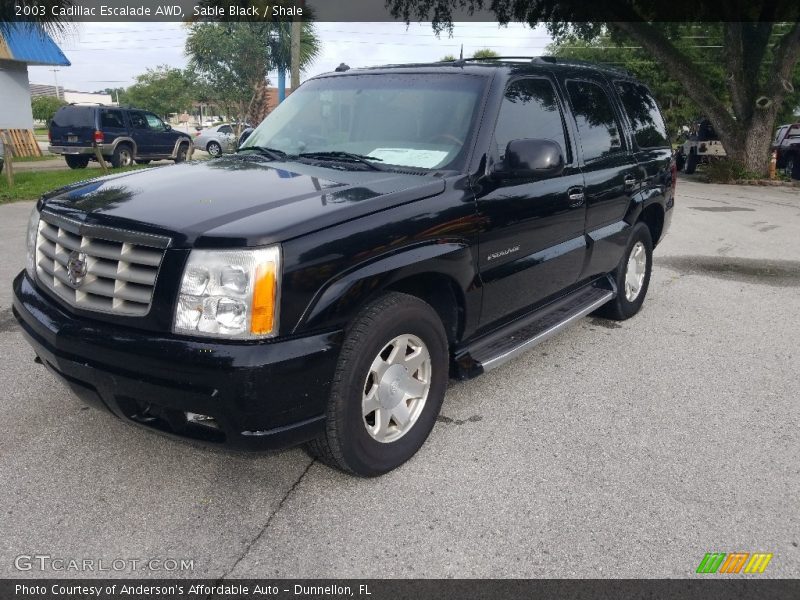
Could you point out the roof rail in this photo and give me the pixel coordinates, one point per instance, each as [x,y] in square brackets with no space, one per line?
[550,60]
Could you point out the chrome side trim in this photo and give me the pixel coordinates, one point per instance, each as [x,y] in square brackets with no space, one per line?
[546,334]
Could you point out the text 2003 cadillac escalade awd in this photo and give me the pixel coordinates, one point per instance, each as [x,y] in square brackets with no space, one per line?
[381,231]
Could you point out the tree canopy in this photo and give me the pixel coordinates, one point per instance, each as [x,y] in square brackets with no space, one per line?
[45,107]
[163,90]
[742,86]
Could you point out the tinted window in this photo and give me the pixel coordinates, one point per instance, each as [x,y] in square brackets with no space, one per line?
[110,119]
[649,130]
[137,120]
[530,110]
[225,129]
[74,116]
[598,127]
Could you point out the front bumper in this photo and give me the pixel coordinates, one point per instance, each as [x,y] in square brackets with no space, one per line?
[257,396]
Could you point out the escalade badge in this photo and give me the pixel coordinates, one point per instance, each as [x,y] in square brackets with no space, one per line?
[76,268]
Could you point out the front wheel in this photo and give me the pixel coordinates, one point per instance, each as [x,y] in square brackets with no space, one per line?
[632,276]
[388,387]
[183,152]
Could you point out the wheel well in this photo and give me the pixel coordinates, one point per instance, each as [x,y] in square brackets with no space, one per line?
[653,217]
[442,293]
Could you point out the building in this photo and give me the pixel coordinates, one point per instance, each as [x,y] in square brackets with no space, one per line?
[39,90]
[22,44]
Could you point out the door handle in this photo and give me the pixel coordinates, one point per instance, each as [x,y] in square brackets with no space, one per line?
[576,197]
[630,181]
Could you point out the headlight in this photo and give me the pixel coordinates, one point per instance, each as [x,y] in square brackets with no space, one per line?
[33,233]
[230,293]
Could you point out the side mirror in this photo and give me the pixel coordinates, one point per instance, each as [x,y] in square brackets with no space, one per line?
[531,159]
[167,127]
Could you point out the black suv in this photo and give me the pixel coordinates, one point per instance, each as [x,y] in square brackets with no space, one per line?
[381,231]
[124,135]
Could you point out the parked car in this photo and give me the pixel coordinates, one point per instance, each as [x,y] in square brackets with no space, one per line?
[218,139]
[124,135]
[2,154]
[701,147]
[787,145]
[381,231]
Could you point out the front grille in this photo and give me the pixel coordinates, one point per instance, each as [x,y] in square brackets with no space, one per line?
[114,271]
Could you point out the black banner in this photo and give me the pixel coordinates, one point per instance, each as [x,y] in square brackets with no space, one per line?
[403,589]
[399,10]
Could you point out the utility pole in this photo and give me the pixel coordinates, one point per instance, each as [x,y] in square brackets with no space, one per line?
[297,29]
[55,76]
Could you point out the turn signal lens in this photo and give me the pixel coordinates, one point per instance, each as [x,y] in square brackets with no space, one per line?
[264,296]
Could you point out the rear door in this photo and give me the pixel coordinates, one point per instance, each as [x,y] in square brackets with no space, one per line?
[533,245]
[651,144]
[73,126]
[112,124]
[612,175]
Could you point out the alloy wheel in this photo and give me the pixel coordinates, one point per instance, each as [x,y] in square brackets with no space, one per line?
[635,272]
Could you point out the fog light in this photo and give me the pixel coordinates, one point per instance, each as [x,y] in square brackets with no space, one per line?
[204,420]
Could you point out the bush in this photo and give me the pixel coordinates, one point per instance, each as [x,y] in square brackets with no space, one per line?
[724,170]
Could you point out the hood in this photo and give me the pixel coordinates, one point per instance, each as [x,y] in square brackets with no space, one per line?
[239,200]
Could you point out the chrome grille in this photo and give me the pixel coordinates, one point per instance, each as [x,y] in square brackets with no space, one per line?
[119,277]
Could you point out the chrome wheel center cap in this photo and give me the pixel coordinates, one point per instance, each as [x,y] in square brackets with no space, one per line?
[392,387]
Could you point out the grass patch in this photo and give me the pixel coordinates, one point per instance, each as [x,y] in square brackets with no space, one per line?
[29,185]
[40,131]
[27,159]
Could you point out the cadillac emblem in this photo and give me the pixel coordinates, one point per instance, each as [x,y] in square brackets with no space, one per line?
[76,268]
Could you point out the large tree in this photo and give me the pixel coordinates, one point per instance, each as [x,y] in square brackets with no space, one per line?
[760,42]
[233,59]
[163,90]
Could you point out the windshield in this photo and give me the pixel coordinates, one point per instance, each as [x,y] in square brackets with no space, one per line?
[409,120]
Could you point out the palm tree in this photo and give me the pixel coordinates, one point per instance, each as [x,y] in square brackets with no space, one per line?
[51,23]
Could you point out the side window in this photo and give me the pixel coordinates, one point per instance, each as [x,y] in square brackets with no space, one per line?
[138,121]
[111,119]
[649,130]
[598,127]
[225,129]
[530,110]
[154,122]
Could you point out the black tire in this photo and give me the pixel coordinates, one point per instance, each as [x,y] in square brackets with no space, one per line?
[792,167]
[143,162]
[620,308]
[680,161]
[122,157]
[183,152]
[214,149]
[346,443]
[76,162]
[691,163]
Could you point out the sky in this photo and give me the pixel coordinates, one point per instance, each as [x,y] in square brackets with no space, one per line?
[107,55]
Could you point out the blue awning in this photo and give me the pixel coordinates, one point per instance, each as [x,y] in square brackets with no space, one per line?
[28,43]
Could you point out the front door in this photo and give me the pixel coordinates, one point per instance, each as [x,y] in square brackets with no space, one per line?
[143,135]
[532,246]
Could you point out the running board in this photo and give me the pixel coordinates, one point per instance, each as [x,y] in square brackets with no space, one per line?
[521,335]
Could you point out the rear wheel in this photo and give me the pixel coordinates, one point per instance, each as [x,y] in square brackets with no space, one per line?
[76,162]
[388,387]
[214,149]
[632,276]
[788,168]
[122,157]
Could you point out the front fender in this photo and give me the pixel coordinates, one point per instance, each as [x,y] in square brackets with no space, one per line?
[339,300]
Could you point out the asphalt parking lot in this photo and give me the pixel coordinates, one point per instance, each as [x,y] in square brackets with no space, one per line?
[612,450]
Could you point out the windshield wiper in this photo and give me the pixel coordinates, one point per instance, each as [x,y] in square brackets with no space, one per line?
[272,153]
[342,156]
